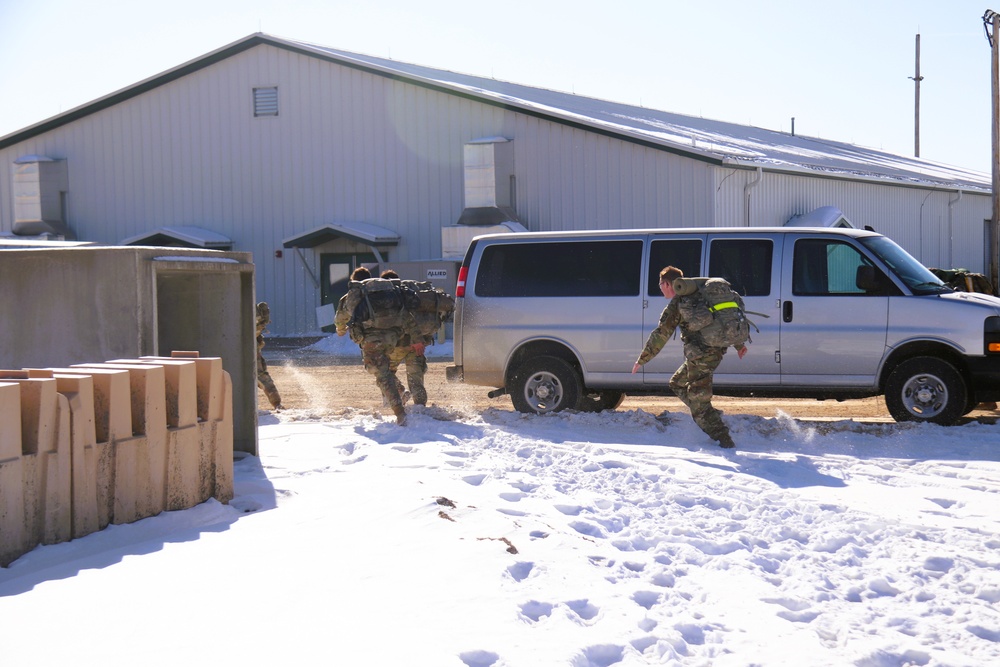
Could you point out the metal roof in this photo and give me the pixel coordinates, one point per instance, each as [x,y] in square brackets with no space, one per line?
[195,237]
[713,141]
[361,232]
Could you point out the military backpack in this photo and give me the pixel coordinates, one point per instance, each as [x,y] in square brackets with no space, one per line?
[729,325]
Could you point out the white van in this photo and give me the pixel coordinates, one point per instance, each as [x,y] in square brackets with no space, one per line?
[558,319]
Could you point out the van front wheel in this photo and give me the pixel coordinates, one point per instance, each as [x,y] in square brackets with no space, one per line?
[926,389]
[545,384]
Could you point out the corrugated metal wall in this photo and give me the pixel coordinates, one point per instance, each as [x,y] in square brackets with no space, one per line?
[938,227]
[350,146]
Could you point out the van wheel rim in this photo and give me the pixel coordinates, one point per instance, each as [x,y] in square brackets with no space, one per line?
[543,391]
[925,396]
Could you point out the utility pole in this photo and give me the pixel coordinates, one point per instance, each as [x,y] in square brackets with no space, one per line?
[991,23]
[916,105]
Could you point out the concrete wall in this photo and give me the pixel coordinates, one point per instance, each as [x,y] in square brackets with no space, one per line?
[89,445]
[67,304]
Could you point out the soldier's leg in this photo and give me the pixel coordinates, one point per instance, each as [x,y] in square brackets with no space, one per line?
[265,382]
[416,368]
[700,371]
[376,360]
[397,355]
[679,384]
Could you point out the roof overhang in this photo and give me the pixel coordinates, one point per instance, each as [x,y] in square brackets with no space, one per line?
[359,232]
[185,235]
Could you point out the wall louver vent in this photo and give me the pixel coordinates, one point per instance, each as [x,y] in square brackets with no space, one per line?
[265,101]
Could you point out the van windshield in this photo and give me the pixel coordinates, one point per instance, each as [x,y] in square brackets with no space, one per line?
[914,275]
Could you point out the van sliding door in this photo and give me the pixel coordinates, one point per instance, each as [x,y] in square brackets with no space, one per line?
[752,265]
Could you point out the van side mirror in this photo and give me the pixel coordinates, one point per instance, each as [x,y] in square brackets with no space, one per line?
[871,280]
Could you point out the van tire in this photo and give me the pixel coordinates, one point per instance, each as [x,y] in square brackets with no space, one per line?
[606,399]
[545,384]
[926,389]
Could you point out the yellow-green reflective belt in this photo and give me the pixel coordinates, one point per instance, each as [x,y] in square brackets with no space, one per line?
[724,304]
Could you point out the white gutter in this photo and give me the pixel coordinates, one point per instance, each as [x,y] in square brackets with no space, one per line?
[746,193]
[951,205]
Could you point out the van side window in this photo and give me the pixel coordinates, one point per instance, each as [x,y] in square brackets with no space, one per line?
[745,263]
[685,254]
[560,268]
[825,267]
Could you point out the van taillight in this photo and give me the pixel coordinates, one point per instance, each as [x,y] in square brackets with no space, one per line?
[463,273]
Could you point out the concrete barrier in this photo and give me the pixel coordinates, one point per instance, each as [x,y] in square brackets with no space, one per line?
[112,442]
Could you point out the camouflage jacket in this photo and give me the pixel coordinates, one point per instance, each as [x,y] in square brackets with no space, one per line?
[690,313]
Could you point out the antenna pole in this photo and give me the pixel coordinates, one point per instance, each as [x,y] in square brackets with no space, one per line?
[991,23]
[916,102]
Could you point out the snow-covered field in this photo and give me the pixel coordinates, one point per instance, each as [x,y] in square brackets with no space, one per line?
[499,539]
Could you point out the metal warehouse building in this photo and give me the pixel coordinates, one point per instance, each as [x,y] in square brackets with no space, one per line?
[315,160]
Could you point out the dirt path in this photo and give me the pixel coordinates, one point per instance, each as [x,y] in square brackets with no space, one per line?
[322,384]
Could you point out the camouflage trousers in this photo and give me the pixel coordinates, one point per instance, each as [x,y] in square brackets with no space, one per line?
[416,368]
[265,382]
[376,359]
[692,383]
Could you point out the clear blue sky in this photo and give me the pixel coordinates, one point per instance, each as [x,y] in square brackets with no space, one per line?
[842,69]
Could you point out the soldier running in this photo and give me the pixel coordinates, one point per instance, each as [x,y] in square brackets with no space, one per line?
[375,350]
[692,382]
[264,380]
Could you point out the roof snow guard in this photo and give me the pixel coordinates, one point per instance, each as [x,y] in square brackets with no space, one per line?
[184,236]
[359,232]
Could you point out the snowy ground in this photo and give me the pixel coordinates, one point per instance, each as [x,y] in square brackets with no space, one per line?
[498,539]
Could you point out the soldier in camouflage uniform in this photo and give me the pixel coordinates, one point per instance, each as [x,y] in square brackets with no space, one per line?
[692,382]
[264,380]
[411,353]
[375,350]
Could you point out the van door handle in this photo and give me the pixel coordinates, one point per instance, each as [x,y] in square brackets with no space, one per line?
[786,311]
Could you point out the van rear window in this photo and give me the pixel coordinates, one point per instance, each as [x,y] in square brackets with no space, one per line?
[560,268]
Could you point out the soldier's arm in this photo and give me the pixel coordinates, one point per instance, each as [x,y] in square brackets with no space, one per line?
[669,319]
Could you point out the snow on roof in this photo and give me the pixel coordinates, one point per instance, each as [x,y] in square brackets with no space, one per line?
[728,143]
[713,141]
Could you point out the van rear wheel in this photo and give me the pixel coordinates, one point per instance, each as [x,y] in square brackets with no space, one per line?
[545,384]
[926,389]
[606,399]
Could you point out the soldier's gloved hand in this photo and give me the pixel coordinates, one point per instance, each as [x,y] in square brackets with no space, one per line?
[418,348]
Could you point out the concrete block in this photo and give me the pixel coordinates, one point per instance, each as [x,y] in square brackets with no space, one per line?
[209,377]
[144,462]
[224,444]
[216,442]
[182,389]
[112,401]
[112,423]
[91,507]
[46,466]
[184,471]
[12,515]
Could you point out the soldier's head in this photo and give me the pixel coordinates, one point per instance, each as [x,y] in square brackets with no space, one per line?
[361,273]
[667,278]
[389,273]
[263,311]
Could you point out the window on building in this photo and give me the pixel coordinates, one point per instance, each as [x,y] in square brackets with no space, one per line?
[265,101]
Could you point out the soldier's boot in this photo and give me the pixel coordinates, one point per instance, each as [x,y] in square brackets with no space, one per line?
[400,413]
[726,441]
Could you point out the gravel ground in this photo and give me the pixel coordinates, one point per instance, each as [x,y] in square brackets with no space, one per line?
[327,385]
